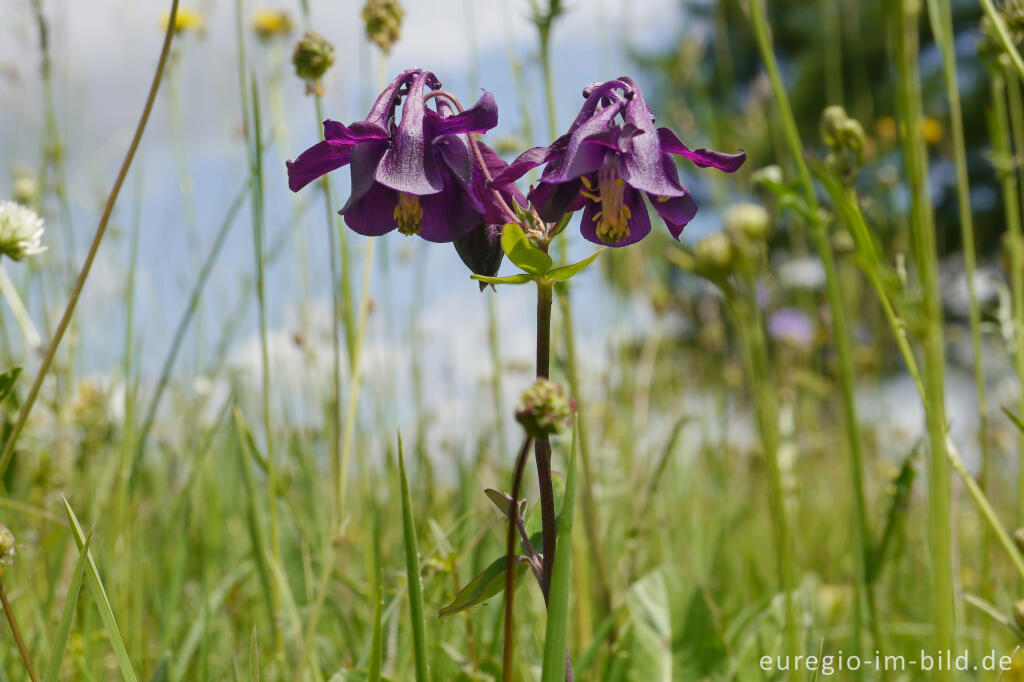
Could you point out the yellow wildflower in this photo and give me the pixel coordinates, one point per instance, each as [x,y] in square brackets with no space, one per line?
[270,23]
[186,20]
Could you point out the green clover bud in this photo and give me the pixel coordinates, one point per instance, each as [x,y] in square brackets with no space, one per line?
[7,545]
[312,56]
[714,252]
[383,19]
[832,120]
[544,409]
[749,219]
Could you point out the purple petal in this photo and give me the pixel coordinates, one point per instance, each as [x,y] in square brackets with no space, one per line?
[383,109]
[524,163]
[493,212]
[675,211]
[360,131]
[365,158]
[553,200]
[594,93]
[373,214]
[704,158]
[448,214]
[479,118]
[642,167]
[583,157]
[318,160]
[639,222]
[408,166]
[480,250]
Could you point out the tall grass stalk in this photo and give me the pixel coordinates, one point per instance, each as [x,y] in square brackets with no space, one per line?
[12,438]
[905,15]
[941,15]
[1015,244]
[1004,35]
[840,326]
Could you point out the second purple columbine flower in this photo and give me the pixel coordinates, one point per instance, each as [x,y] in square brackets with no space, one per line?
[416,175]
[612,156]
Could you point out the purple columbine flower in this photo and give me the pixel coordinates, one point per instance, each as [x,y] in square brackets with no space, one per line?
[605,165]
[417,175]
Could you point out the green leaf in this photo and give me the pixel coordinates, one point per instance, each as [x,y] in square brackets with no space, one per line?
[503,502]
[521,278]
[556,638]
[102,602]
[162,671]
[254,656]
[7,380]
[650,641]
[488,583]
[567,271]
[60,641]
[412,569]
[520,251]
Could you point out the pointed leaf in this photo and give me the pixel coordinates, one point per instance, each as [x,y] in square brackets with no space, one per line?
[412,569]
[567,271]
[488,583]
[60,641]
[520,251]
[521,278]
[503,501]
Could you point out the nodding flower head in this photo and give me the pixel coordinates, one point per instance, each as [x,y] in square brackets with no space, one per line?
[413,172]
[610,158]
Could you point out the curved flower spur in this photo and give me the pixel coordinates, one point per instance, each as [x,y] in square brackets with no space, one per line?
[604,167]
[417,175]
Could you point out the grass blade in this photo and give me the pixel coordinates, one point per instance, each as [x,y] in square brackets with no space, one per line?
[412,567]
[254,657]
[556,639]
[102,602]
[60,641]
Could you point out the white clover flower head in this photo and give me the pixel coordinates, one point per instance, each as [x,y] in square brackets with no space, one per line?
[21,231]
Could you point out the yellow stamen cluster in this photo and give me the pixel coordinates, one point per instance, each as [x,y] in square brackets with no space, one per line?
[613,218]
[409,213]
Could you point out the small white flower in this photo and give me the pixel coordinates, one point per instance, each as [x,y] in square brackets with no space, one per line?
[21,231]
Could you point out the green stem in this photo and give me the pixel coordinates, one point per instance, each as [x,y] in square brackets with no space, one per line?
[1004,35]
[923,236]
[838,308]
[101,229]
[22,650]
[1015,239]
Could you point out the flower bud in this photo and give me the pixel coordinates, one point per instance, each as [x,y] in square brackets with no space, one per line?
[6,545]
[1018,539]
[832,120]
[312,56]
[714,252]
[21,231]
[481,250]
[1018,613]
[851,134]
[749,219]
[769,175]
[544,409]
[383,19]
[25,189]
[185,21]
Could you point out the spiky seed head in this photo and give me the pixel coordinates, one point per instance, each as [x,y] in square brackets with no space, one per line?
[544,409]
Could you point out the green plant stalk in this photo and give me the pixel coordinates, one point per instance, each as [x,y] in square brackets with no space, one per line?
[259,228]
[923,236]
[838,308]
[557,666]
[101,229]
[1004,35]
[16,632]
[412,568]
[941,15]
[755,348]
[508,649]
[1015,239]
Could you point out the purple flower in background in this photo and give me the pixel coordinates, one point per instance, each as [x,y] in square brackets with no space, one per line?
[605,166]
[417,175]
[791,326]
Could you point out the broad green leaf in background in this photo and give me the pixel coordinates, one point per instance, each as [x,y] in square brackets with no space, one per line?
[650,642]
